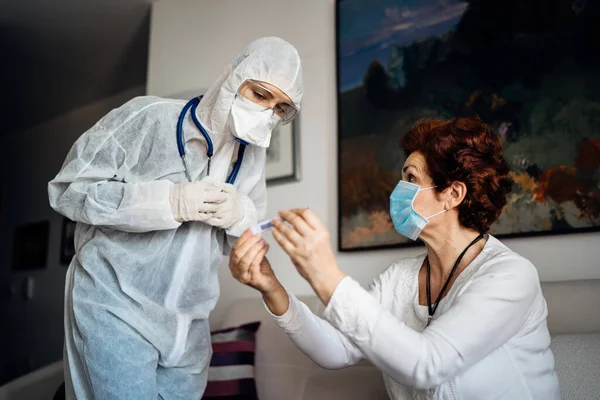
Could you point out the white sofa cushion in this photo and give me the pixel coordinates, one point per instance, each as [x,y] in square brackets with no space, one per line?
[578,365]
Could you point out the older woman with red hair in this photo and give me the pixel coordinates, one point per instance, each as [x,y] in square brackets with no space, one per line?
[464,320]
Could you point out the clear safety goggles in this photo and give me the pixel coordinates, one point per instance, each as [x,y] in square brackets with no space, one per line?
[259,94]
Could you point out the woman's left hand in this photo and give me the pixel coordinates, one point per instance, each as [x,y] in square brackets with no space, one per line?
[307,242]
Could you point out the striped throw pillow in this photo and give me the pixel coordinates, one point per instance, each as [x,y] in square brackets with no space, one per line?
[231,371]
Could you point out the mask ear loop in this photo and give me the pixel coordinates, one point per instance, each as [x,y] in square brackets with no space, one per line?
[436,214]
[413,202]
[415,196]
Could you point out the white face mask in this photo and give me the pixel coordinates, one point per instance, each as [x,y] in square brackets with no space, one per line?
[251,122]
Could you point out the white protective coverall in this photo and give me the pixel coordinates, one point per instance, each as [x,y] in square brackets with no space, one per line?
[141,286]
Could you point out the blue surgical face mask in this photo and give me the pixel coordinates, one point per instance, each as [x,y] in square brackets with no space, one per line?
[406,220]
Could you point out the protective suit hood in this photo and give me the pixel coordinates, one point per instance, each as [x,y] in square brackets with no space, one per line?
[269,59]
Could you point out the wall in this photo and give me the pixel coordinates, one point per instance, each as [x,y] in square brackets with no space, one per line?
[192,40]
[32,330]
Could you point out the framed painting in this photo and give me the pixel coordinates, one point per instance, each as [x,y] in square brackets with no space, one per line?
[283,158]
[531,73]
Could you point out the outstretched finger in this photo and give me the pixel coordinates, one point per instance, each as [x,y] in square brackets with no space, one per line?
[283,241]
[296,221]
[250,255]
[289,232]
[310,218]
[243,238]
[240,251]
[258,258]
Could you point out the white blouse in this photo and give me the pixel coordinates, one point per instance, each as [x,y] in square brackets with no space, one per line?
[488,338]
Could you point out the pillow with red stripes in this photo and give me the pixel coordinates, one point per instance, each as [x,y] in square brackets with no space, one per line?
[231,371]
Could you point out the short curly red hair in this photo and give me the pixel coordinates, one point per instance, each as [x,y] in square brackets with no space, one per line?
[468,151]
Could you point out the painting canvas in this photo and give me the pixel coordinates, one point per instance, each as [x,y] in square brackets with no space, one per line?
[532,73]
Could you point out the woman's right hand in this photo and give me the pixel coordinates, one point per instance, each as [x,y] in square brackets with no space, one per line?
[249,265]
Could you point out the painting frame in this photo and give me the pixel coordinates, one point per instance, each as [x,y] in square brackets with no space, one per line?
[552,231]
[287,170]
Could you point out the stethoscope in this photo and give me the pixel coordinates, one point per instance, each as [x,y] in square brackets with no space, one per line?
[193,104]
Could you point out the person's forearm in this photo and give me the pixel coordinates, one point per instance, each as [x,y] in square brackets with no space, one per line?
[129,207]
[325,283]
[312,335]
[277,300]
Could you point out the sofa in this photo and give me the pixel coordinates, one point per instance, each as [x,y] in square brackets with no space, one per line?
[282,372]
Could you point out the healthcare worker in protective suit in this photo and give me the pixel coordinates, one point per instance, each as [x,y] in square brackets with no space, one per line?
[151,233]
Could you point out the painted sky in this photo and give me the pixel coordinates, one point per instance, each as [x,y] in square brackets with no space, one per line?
[368,29]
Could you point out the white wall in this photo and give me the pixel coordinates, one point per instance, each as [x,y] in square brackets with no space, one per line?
[32,330]
[192,40]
